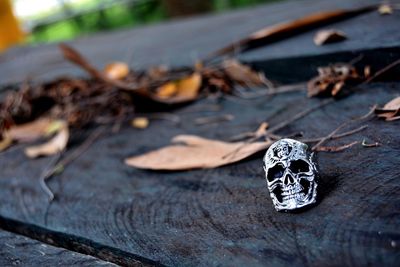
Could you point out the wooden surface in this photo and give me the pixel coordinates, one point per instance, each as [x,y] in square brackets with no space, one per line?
[22,251]
[220,217]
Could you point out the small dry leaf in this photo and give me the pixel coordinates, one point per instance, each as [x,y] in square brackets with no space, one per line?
[242,74]
[390,111]
[385,9]
[140,122]
[167,90]
[367,71]
[31,131]
[329,36]
[186,89]
[116,70]
[5,142]
[288,29]
[332,79]
[195,152]
[53,146]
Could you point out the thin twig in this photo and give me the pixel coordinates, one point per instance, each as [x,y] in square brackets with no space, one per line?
[381,71]
[213,119]
[58,167]
[45,175]
[274,91]
[269,134]
[164,116]
[336,148]
[329,136]
[365,144]
[337,136]
[299,116]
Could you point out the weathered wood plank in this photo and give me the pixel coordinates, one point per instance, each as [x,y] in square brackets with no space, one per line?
[19,250]
[181,42]
[224,216]
[215,217]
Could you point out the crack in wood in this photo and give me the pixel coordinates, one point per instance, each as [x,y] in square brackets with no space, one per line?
[75,243]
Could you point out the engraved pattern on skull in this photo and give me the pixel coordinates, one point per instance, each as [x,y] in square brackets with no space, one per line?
[290,173]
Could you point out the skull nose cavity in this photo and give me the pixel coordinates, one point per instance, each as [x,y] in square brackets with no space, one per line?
[288,179]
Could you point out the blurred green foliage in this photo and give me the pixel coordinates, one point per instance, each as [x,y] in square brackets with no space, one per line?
[114,17]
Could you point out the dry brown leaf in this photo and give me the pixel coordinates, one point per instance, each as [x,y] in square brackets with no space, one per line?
[183,90]
[195,152]
[55,145]
[385,9]
[367,71]
[75,57]
[332,79]
[5,142]
[116,70]
[329,36]
[140,123]
[390,111]
[284,30]
[393,104]
[31,131]
[243,74]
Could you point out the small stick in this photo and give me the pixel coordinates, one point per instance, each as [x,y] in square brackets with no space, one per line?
[45,175]
[381,71]
[329,136]
[67,160]
[335,148]
[337,136]
[164,116]
[299,115]
[214,119]
[364,144]
[269,133]
[274,91]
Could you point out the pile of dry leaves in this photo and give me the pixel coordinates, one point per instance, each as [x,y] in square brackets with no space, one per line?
[110,96]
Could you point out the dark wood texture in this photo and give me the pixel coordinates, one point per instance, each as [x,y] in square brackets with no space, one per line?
[18,250]
[224,216]
[220,217]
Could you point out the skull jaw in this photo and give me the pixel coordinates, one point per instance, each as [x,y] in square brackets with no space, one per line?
[296,203]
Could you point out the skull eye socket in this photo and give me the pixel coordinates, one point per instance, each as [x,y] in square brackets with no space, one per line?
[275,172]
[299,166]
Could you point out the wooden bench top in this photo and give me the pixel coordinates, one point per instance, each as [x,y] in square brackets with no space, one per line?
[223,216]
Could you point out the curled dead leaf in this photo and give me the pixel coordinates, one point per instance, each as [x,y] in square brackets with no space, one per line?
[390,111]
[32,131]
[385,9]
[329,36]
[140,123]
[243,74]
[55,145]
[116,70]
[195,152]
[332,79]
[288,29]
[183,90]
[5,142]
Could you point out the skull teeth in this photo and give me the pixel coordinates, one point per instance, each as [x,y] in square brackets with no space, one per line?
[292,190]
[294,196]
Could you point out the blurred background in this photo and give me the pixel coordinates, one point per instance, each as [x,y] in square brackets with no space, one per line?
[42,21]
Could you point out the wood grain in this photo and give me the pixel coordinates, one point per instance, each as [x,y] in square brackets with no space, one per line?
[218,217]
[19,250]
[224,216]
